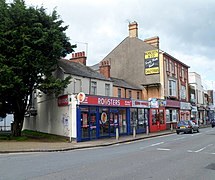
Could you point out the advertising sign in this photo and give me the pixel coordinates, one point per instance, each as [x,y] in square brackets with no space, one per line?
[106,101]
[141,104]
[152,62]
[63,100]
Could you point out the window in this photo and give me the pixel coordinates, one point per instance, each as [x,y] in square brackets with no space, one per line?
[173,67]
[183,92]
[107,89]
[172,88]
[138,95]
[77,86]
[129,94]
[93,87]
[119,93]
[167,65]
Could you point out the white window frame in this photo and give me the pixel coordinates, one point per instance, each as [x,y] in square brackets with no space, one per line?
[172,88]
[107,89]
[93,88]
[77,89]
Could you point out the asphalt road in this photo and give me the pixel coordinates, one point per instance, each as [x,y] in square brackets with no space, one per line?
[171,157]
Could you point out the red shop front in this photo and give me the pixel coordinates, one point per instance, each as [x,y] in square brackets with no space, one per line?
[157,116]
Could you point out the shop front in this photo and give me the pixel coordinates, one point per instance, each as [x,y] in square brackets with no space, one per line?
[172,113]
[139,114]
[99,117]
[157,116]
[185,111]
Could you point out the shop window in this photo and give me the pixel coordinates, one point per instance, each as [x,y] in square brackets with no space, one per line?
[122,121]
[133,115]
[84,123]
[161,116]
[107,89]
[157,116]
[167,115]
[119,93]
[103,122]
[93,88]
[154,117]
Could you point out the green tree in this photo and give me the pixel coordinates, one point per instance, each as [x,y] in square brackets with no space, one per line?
[31,43]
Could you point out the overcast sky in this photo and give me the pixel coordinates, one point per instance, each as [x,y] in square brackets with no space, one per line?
[186,28]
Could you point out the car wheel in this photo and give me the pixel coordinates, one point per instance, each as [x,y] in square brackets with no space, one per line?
[177,132]
[191,131]
[198,130]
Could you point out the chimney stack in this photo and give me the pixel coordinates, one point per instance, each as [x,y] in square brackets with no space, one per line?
[79,57]
[154,41]
[104,68]
[133,29]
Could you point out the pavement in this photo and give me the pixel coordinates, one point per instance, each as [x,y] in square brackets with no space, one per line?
[28,146]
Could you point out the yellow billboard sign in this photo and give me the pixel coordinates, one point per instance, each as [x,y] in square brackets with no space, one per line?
[151,54]
[152,62]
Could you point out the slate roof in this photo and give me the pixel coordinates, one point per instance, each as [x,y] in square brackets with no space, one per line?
[79,69]
[124,84]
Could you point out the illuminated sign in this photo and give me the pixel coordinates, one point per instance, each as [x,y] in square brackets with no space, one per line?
[106,101]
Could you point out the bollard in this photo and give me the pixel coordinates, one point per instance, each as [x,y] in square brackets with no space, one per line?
[134,131]
[147,130]
[171,127]
[117,133]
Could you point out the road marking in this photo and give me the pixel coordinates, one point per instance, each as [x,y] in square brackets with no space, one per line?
[156,144]
[178,138]
[209,131]
[196,134]
[152,145]
[163,149]
[200,149]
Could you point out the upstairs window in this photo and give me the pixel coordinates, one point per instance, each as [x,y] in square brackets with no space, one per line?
[172,88]
[107,89]
[183,92]
[138,95]
[129,94]
[119,93]
[167,65]
[77,86]
[93,88]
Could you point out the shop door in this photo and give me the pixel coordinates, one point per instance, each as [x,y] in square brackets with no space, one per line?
[114,122]
[88,124]
[92,125]
[157,120]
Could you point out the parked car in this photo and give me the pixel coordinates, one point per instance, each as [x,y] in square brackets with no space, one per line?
[187,126]
[213,123]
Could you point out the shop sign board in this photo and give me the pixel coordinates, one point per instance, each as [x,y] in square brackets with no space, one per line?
[106,101]
[185,105]
[172,103]
[141,104]
[151,62]
[64,100]
[154,103]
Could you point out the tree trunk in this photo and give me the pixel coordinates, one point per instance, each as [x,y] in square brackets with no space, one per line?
[17,124]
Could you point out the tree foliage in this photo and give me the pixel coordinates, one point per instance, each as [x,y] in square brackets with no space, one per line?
[31,43]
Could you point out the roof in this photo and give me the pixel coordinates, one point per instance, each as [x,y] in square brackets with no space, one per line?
[79,69]
[124,84]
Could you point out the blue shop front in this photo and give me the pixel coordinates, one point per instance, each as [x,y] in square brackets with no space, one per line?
[99,117]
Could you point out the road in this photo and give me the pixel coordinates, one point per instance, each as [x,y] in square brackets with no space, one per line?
[170,157]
